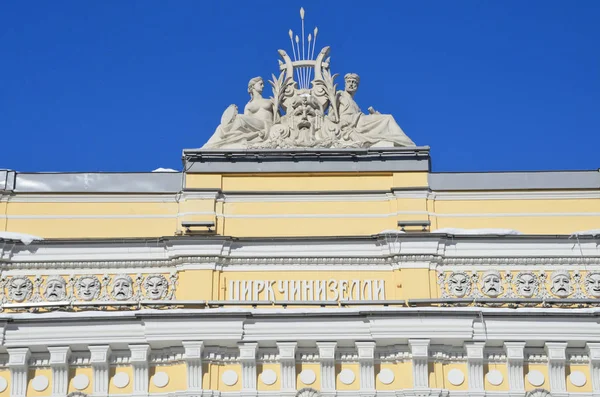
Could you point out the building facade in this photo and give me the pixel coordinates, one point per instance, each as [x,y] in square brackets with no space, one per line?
[307,253]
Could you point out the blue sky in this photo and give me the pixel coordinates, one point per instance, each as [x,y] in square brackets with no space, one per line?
[120,85]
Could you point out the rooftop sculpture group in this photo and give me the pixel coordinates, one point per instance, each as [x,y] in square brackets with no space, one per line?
[305,112]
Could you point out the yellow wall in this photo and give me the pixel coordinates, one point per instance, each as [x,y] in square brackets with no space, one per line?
[112,389]
[354,368]
[74,371]
[543,368]
[31,392]
[259,383]
[402,376]
[316,368]
[6,375]
[503,370]
[587,388]
[177,378]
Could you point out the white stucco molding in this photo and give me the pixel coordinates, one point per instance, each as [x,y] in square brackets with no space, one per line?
[193,361]
[287,363]
[419,349]
[515,357]
[593,350]
[99,360]
[366,361]
[248,352]
[327,362]
[139,361]
[557,358]
[59,362]
[18,363]
[475,360]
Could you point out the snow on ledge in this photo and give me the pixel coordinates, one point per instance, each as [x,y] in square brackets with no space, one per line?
[471,232]
[392,231]
[22,237]
[592,232]
[164,170]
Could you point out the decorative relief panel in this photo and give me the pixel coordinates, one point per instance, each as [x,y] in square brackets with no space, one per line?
[115,288]
[491,284]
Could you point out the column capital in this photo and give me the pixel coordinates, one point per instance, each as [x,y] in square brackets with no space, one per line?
[248,350]
[18,357]
[287,350]
[474,350]
[365,349]
[59,355]
[419,348]
[193,350]
[327,350]
[593,350]
[100,354]
[556,351]
[514,350]
[139,353]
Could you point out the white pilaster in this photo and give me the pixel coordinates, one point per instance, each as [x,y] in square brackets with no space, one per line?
[557,358]
[475,367]
[18,363]
[594,354]
[139,362]
[248,352]
[419,349]
[193,362]
[327,361]
[59,362]
[515,357]
[100,362]
[287,364]
[366,362]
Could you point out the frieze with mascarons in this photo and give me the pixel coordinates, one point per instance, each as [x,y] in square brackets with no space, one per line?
[306,109]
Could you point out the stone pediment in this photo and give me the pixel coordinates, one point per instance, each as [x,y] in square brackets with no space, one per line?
[306,110]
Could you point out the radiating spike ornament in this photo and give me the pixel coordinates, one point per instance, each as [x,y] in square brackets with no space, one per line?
[304,55]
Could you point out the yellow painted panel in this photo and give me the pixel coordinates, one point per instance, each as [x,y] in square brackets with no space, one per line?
[132,208]
[196,285]
[340,226]
[525,224]
[87,371]
[412,204]
[436,375]
[233,367]
[450,367]
[503,370]
[210,376]
[308,182]
[517,206]
[411,179]
[324,208]
[316,368]
[354,368]
[203,181]
[536,367]
[261,386]
[415,283]
[32,373]
[571,388]
[402,376]
[6,375]
[95,228]
[112,389]
[177,378]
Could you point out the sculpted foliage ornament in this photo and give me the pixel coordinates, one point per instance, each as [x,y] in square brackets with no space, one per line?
[307,392]
[305,111]
[538,393]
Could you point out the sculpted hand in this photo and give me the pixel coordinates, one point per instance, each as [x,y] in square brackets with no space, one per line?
[372,111]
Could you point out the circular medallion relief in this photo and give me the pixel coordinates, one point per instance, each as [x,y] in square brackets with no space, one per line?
[456,377]
[229,377]
[3,384]
[577,378]
[347,376]
[386,376]
[308,376]
[160,379]
[536,378]
[39,383]
[120,380]
[268,377]
[495,377]
[81,381]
